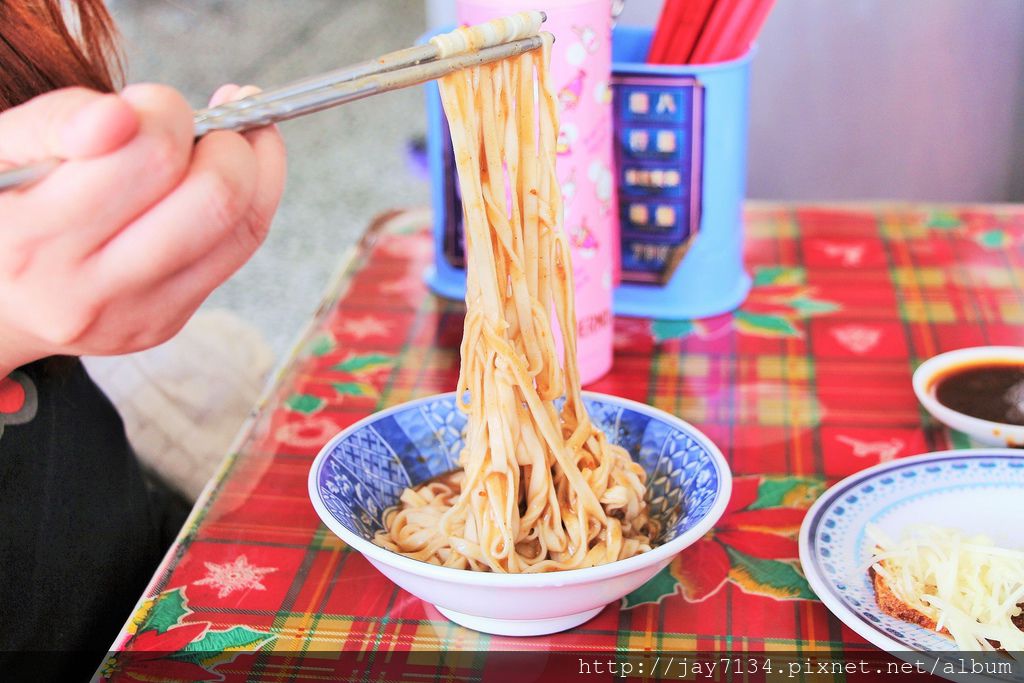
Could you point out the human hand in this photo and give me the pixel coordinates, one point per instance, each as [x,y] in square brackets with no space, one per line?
[115,249]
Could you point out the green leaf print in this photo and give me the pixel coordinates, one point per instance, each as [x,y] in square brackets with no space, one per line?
[660,586]
[796,492]
[365,363]
[772,578]
[167,610]
[306,404]
[765,325]
[355,389]
[321,345]
[672,329]
[773,276]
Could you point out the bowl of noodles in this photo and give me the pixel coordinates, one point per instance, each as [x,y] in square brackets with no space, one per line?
[366,474]
[518,504]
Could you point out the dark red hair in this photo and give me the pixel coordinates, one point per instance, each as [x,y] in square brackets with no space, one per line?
[42,48]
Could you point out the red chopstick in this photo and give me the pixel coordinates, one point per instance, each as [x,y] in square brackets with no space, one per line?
[752,28]
[714,31]
[734,25]
[677,31]
[731,30]
[685,39]
[671,14]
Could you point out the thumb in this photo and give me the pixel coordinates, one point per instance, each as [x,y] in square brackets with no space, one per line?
[72,123]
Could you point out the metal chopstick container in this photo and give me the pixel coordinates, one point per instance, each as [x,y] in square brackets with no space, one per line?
[395,70]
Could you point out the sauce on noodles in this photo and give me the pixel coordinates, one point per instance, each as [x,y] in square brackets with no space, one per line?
[541,488]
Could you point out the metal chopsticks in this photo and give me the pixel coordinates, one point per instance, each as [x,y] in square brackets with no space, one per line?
[395,70]
[325,92]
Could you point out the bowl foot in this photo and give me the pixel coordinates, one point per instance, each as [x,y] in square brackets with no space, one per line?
[519,627]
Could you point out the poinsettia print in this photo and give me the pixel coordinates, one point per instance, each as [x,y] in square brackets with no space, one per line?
[776,307]
[990,230]
[164,647]
[18,400]
[753,546]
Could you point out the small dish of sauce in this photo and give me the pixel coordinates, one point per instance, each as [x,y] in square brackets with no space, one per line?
[977,391]
[992,391]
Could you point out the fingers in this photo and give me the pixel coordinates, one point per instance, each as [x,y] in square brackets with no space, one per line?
[154,313]
[228,196]
[271,170]
[230,92]
[98,196]
[100,128]
[158,312]
[72,123]
[210,205]
[270,153]
[118,246]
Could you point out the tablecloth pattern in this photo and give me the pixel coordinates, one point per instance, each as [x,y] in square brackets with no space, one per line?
[808,382]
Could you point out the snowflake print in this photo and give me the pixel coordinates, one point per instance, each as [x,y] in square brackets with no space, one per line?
[366,326]
[885,450]
[234,576]
[858,339]
[406,285]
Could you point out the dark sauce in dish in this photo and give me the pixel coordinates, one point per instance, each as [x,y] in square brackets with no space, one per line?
[992,391]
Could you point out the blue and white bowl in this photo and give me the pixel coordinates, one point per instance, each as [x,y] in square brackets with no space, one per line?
[362,472]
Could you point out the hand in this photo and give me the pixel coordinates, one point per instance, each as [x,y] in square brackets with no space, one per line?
[116,248]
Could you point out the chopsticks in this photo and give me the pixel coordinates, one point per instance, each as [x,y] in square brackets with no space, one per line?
[392,71]
[324,92]
[678,28]
[706,31]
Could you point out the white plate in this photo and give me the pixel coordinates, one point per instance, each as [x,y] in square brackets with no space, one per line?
[983,431]
[976,491]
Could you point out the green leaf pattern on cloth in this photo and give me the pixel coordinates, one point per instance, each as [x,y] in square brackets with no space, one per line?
[307,404]
[355,389]
[813,306]
[772,578]
[943,220]
[753,547]
[166,611]
[774,276]
[777,306]
[365,363]
[993,239]
[321,345]
[165,647]
[662,585]
[765,325]
[674,329]
[798,492]
[992,231]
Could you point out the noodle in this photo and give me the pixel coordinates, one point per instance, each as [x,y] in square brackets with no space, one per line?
[541,489]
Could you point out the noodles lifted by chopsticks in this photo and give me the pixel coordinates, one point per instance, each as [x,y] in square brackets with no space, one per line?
[541,489]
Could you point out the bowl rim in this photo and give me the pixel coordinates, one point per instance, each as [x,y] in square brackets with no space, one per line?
[923,382]
[661,553]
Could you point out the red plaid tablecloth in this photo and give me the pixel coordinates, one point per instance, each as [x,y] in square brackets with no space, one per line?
[808,382]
